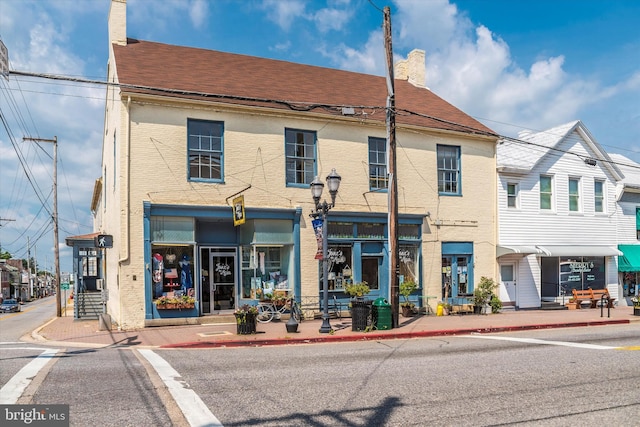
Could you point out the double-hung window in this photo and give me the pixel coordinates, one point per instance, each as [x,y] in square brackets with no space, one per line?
[512,195]
[574,195]
[598,195]
[546,192]
[205,150]
[448,169]
[378,179]
[300,149]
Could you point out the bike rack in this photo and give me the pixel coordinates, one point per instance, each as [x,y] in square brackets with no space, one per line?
[604,298]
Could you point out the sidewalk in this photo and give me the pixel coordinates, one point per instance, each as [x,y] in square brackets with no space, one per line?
[65,331]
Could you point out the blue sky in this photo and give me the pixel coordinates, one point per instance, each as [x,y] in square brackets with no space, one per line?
[513,65]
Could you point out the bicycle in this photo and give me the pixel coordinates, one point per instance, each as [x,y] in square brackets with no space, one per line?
[268,310]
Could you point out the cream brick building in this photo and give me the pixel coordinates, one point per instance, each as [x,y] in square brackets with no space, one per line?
[188,131]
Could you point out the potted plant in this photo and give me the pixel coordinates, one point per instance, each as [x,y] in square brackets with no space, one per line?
[482,295]
[357,290]
[406,289]
[246,319]
[360,307]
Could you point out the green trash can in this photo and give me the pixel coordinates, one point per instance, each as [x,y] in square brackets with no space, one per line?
[381,314]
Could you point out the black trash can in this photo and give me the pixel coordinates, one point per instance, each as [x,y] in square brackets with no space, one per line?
[360,314]
[381,314]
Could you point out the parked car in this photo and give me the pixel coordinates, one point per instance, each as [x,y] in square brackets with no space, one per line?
[9,305]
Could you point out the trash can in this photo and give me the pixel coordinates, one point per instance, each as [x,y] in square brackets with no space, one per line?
[381,314]
[360,314]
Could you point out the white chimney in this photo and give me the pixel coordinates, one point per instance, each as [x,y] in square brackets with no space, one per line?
[412,69]
[118,22]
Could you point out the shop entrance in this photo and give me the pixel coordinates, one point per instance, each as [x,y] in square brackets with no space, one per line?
[219,279]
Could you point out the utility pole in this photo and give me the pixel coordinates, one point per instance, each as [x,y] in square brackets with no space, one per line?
[29,266]
[394,268]
[56,249]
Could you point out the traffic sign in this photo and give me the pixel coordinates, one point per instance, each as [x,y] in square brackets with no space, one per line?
[64,286]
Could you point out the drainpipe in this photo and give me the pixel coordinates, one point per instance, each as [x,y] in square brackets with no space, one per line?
[127,141]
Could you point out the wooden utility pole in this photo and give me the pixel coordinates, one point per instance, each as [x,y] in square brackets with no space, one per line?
[56,249]
[394,267]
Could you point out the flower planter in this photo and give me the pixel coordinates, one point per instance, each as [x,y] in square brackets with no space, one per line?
[636,311]
[246,324]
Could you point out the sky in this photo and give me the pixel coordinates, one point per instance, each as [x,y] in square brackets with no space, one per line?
[513,65]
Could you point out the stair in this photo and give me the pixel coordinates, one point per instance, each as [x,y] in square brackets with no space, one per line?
[552,305]
[88,305]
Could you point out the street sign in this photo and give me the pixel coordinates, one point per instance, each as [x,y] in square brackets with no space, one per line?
[64,286]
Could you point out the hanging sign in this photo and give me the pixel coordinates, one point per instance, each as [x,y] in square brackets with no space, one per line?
[238,211]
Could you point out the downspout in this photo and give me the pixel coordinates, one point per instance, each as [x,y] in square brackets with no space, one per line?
[127,141]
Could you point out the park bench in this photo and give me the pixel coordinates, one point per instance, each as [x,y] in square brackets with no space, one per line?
[580,296]
[596,296]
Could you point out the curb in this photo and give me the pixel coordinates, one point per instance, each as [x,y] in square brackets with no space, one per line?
[379,337]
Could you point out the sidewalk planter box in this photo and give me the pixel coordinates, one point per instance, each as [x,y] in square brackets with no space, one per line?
[246,324]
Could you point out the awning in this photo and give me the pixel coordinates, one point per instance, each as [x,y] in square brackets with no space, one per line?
[516,249]
[579,250]
[630,259]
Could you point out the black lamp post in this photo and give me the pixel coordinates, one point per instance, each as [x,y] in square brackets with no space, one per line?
[333,182]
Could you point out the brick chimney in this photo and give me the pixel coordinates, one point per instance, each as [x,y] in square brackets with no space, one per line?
[118,22]
[412,69]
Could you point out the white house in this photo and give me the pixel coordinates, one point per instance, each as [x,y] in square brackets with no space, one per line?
[557,216]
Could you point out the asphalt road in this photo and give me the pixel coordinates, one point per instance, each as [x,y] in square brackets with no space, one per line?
[559,377]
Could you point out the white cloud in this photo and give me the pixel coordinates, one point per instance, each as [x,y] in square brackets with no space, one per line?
[198,12]
[283,12]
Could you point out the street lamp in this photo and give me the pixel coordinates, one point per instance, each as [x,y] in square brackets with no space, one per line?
[333,183]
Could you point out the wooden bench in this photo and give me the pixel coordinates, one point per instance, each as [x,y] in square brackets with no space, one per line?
[581,296]
[596,297]
[593,296]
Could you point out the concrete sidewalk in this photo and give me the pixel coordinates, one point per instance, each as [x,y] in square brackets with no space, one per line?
[221,331]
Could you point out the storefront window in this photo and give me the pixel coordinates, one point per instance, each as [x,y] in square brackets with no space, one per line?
[172,270]
[339,266]
[264,270]
[408,263]
[370,231]
[582,273]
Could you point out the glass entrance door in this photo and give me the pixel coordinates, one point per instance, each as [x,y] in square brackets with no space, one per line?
[222,268]
[219,279]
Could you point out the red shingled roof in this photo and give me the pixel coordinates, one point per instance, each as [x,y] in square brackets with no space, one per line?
[198,73]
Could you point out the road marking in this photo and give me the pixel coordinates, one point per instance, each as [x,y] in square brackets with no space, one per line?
[193,408]
[13,389]
[536,341]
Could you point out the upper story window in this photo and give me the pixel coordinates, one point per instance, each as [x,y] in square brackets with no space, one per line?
[546,192]
[638,223]
[378,178]
[512,195]
[574,194]
[448,169]
[598,195]
[300,150]
[205,149]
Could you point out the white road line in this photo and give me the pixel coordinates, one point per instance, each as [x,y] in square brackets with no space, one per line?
[193,408]
[13,389]
[535,341]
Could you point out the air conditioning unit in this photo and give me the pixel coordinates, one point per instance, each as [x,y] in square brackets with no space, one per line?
[100,284]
